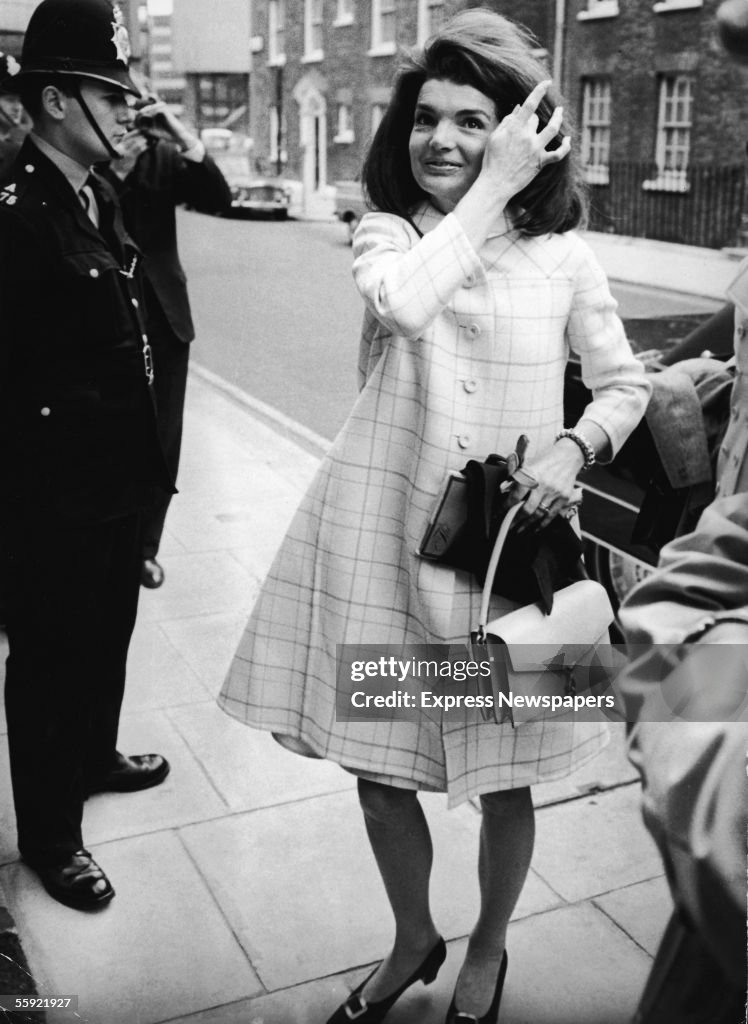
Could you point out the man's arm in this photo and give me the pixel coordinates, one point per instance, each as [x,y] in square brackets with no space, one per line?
[714,335]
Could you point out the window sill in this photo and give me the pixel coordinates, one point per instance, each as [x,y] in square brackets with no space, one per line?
[665,6]
[672,181]
[342,22]
[344,138]
[383,50]
[601,10]
[313,58]
[596,174]
[277,62]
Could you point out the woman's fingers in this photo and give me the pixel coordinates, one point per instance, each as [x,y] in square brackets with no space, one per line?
[553,127]
[531,104]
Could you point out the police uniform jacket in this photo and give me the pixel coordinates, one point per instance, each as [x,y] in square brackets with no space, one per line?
[161,180]
[76,412]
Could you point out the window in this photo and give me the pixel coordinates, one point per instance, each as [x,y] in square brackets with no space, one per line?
[344,131]
[599,9]
[673,134]
[313,25]
[277,32]
[663,6]
[277,146]
[345,13]
[382,27]
[377,113]
[431,17]
[596,130]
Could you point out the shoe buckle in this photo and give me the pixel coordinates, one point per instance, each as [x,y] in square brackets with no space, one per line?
[355,1007]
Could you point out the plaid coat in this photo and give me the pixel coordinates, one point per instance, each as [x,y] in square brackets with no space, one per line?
[461,351]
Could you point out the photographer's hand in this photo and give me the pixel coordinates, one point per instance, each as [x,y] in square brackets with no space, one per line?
[166,120]
[133,144]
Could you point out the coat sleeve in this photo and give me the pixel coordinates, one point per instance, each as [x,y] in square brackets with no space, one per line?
[406,281]
[200,184]
[686,698]
[617,380]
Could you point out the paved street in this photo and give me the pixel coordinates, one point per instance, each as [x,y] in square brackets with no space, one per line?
[278,316]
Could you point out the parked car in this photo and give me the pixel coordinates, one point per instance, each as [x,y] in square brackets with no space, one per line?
[621,549]
[350,205]
[260,197]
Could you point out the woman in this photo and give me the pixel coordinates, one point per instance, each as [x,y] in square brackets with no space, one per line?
[474,293]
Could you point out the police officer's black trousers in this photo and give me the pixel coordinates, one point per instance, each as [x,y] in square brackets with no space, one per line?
[170,361]
[73,597]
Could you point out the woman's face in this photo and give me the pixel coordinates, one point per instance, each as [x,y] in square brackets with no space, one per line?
[451,127]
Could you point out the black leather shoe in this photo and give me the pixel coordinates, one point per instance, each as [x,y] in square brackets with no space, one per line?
[130,774]
[355,1008]
[77,882]
[152,574]
[491,1016]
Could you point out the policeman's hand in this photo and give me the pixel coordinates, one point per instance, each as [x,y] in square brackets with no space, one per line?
[166,121]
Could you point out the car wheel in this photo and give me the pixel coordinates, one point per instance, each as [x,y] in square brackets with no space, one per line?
[281,214]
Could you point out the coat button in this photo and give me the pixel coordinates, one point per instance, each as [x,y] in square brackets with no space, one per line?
[93,272]
[470,385]
[472,330]
[135,303]
[469,281]
[45,411]
[463,440]
[29,168]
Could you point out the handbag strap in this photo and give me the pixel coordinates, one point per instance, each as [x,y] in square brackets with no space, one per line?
[493,564]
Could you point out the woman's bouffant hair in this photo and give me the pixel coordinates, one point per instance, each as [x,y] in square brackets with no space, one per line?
[486,51]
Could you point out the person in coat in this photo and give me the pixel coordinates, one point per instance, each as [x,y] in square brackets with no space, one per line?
[81,458]
[686,695]
[475,289]
[15,123]
[163,165]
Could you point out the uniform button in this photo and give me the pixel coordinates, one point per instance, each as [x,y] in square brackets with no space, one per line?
[93,272]
[29,168]
[46,410]
[472,330]
[145,339]
[135,303]
[470,385]
[463,440]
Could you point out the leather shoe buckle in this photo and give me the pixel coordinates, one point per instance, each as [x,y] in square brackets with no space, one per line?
[356,1007]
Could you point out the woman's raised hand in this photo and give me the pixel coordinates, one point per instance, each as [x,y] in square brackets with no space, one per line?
[516,151]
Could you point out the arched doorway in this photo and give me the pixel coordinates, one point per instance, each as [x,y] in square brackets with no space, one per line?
[309,94]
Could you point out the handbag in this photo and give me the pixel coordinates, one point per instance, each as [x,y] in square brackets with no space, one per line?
[466,519]
[540,658]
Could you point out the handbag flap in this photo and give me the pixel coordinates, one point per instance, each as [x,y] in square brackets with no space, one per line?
[535,641]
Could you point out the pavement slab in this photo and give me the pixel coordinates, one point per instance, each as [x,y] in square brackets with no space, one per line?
[641,910]
[596,844]
[144,957]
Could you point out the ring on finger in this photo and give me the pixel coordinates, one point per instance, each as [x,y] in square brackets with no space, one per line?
[543,509]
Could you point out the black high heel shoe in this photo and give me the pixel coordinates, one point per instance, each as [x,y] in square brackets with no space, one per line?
[355,1008]
[491,1016]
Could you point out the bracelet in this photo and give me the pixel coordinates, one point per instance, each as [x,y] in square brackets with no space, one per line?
[582,443]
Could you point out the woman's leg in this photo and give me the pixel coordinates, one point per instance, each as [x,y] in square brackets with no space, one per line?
[506,843]
[400,839]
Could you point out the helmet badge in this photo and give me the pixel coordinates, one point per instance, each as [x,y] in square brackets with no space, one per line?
[12,64]
[120,38]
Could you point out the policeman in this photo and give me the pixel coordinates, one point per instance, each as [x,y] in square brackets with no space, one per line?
[15,123]
[81,459]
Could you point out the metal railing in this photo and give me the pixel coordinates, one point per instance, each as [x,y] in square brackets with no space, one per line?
[701,206]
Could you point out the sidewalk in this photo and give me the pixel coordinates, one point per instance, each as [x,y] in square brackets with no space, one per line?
[246,891]
[694,271]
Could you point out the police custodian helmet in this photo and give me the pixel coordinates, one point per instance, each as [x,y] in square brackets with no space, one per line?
[81,38]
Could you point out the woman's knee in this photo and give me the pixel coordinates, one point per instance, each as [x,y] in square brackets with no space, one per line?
[506,801]
[386,804]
